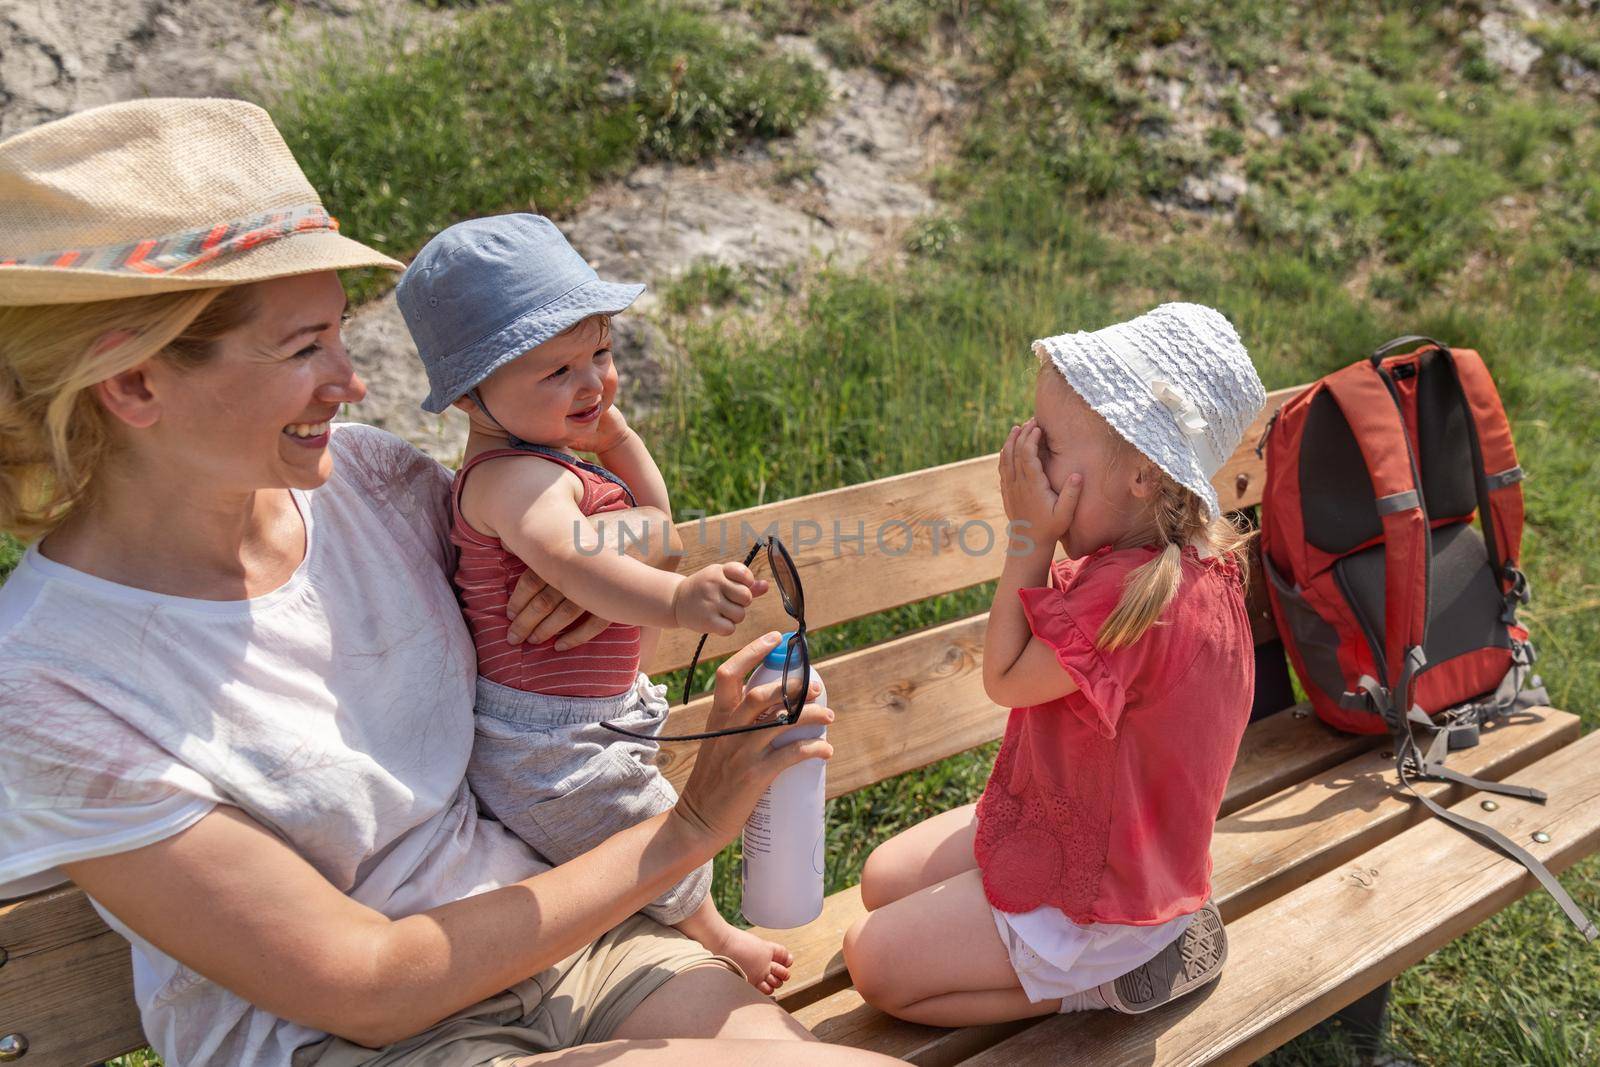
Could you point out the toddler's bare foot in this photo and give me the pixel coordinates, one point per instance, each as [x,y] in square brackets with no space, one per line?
[765,963]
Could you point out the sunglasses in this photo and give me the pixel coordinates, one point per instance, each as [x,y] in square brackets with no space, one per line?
[796,663]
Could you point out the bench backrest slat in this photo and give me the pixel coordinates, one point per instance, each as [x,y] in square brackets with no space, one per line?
[850,583]
[907,702]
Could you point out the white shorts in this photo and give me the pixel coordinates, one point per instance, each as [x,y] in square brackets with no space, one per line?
[1056,958]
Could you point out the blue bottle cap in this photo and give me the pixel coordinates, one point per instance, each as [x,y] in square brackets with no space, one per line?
[780,652]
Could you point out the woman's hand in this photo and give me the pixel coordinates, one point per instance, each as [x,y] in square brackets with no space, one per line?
[1026,492]
[731,773]
[539,611]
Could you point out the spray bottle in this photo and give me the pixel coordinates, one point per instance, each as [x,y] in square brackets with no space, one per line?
[783,838]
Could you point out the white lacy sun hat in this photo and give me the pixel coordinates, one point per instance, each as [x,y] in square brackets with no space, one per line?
[159,195]
[1176,382]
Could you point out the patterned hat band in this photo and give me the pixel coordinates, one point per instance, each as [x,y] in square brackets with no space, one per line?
[178,252]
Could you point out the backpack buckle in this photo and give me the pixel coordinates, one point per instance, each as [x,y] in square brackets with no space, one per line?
[1519,584]
[1368,696]
[1462,735]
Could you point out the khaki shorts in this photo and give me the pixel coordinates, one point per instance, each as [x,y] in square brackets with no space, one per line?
[581,1000]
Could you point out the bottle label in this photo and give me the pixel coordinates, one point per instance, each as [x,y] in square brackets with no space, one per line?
[758,828]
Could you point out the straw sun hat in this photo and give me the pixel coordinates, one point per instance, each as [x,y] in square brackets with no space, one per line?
[155,196]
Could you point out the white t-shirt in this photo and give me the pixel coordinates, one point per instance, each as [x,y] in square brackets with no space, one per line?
[336,711]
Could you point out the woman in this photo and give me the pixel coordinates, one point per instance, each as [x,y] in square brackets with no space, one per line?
[237,689]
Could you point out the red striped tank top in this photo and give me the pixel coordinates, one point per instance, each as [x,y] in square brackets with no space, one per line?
[485,575]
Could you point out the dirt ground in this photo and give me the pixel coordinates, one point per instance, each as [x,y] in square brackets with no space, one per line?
[843,190]
[62,56]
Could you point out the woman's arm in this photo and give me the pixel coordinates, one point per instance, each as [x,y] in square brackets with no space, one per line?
[232,901]
[236,904]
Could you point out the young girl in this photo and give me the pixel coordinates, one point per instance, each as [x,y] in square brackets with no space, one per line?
[1081,877]
[514,329]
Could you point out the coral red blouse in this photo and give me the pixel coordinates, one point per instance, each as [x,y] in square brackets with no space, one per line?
[1102,803]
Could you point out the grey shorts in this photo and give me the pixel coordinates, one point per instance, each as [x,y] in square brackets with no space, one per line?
[544,767]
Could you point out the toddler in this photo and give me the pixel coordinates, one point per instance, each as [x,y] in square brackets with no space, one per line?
[1081,877]
[514,329]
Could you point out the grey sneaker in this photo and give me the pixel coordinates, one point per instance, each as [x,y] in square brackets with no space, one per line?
[1193,960]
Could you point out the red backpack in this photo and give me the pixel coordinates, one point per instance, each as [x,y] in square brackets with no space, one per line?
[1398,613]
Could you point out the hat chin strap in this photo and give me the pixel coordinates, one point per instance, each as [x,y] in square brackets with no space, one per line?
[477,398]
[1184,411]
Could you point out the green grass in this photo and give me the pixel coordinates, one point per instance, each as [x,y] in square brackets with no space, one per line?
[706,284]
[10,552]
[523,106]
[1415,188]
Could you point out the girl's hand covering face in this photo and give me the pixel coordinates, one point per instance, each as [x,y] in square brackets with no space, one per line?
[1026,492]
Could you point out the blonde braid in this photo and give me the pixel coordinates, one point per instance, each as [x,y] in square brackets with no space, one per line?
[1179,518]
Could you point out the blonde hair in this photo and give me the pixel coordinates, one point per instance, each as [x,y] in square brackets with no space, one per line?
[1179,518]
[54,435]
[601,319]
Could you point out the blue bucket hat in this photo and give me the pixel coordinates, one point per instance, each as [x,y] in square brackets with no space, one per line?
[484,291]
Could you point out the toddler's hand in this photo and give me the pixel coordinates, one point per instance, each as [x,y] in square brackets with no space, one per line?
[1026,492]
[608,431]
[713,599]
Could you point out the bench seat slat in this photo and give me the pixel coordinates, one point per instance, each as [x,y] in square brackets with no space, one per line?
[1280,842]
[1314,950]
[843,1018]
[1260,852]
[851,583]
[1284,749]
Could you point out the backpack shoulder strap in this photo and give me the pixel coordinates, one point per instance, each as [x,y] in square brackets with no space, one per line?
[1368,405]
[1496,471]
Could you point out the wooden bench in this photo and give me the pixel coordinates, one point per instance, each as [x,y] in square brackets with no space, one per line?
[1330,881]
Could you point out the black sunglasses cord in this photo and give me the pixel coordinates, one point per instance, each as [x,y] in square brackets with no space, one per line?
[781,720]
